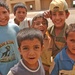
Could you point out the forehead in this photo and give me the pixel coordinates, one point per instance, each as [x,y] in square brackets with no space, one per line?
[3,9]
[58,12]
[71,34]
[39,19]
[31,42]
[21,9]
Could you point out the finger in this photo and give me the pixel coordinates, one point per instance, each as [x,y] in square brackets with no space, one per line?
[29,23]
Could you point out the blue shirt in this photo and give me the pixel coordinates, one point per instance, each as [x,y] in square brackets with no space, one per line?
[62,62]
[9,53]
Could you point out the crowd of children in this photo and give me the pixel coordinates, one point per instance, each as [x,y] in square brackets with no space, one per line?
[29,47]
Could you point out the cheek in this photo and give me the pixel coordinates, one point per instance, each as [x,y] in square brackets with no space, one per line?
[45,27]
[36,26]
[23,54]
[69,44]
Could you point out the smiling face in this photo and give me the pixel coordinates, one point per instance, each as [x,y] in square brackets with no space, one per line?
[20,14]
[31,51]
[4,16]
[58,18]
[40,24]
[70,40]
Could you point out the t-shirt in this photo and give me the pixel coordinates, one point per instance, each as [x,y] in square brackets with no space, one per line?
[21,69]
[58,41]
[9,54]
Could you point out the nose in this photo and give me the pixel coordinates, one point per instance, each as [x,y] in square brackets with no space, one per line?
[31,52]
[41,24]
[57,16]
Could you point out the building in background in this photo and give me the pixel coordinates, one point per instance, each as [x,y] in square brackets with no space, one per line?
[33,5]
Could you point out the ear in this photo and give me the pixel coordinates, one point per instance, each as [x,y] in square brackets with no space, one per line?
[67,15]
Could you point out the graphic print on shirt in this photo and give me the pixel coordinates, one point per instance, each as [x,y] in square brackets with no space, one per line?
[67,72]
[6,51]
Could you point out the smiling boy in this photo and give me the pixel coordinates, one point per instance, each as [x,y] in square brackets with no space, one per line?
[58,14]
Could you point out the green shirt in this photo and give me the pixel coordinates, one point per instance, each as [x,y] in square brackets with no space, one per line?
[58,41]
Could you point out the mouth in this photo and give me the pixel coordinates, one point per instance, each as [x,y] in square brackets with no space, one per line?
[32,58]
[42,30]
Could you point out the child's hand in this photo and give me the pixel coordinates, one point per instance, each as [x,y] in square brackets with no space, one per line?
[47,14]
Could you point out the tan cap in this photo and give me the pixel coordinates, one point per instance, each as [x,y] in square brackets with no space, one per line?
[58,5]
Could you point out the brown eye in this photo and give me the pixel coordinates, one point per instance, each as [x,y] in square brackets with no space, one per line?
[44,23]
[25,48]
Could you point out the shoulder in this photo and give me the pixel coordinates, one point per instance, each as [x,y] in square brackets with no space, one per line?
[50,29]
[15,68]
[11,20]
[60,55]
[14,26]
[10,73]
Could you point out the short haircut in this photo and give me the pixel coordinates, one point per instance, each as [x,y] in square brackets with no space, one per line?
[29,34]
[40,16]
[2,4]
[19,5]
[71,28]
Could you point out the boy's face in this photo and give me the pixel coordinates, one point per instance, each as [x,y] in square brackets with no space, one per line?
[4,16]
[30,51]
[40,24]
[58,18]
[70,40]
[20,14]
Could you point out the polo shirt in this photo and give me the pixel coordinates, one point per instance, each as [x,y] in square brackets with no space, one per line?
[62,62]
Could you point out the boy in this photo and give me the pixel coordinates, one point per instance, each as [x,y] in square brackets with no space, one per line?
[9,54]
[58,14]
[65,60]
[20,13]
[30,42]
[41,23]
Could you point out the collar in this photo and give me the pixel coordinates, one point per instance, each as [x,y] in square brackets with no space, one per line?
[62,33]
[29,68]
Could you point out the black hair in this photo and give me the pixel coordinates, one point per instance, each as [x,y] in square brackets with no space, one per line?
[71,28]
[19,5]
[2,4]
[29,34]
[40,16]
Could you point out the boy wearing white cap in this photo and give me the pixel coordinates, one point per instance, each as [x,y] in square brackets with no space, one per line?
[58,14]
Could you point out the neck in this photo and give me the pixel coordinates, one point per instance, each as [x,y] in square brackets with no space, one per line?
[16,21]
[58,30]
[31,66]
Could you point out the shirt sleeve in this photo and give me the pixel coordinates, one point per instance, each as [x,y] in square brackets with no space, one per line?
[10,73]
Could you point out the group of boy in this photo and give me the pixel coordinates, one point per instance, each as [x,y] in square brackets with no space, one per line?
[35,41]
